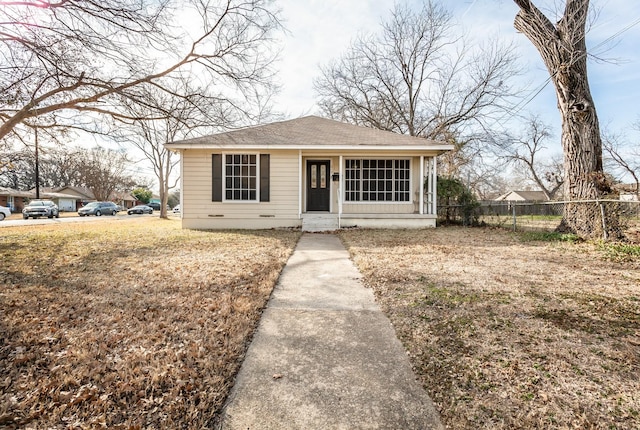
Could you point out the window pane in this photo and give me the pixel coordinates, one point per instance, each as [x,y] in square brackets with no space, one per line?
[323,176]
[241,176]
[314,177]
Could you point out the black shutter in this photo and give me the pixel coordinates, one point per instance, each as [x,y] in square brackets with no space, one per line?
[216,175]
[264,177]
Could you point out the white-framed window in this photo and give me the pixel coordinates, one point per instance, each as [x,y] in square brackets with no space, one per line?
[240,177]
[377,180]
[241,173]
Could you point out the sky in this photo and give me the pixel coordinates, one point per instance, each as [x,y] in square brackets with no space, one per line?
[321,30]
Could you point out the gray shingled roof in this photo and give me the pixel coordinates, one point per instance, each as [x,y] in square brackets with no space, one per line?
[309,132]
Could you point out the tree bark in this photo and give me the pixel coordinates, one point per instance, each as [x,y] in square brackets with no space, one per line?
[563,49]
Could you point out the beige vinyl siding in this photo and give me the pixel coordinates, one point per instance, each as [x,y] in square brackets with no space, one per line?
[197,192]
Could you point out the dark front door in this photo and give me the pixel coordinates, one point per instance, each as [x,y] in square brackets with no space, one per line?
[318,186]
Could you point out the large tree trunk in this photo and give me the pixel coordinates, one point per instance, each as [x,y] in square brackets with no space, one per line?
[564,52]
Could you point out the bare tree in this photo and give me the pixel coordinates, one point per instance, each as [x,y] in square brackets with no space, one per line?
[563,50]
[419,77]
[103,171]
[16,169]
[525,152]
[64,58]
[57,168]
[625,162]
[150,135]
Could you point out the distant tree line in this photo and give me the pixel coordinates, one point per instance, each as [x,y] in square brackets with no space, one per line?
[102,171]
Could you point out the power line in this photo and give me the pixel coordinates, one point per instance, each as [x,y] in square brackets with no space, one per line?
[521,105]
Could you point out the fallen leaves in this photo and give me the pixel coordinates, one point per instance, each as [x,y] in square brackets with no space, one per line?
[139,325]
[506,334]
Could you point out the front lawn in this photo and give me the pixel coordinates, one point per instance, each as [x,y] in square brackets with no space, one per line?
[509,332]
[131,324]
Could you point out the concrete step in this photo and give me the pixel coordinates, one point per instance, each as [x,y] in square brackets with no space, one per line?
[319,222]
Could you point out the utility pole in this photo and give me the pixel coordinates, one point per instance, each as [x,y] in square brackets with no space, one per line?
[37,168]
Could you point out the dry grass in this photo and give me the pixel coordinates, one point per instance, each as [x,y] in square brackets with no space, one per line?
[131,324]
[511,334]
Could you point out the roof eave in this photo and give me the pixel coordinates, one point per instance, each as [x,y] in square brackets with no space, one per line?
[402,148]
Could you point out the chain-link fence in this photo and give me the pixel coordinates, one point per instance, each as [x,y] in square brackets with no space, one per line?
[538,216]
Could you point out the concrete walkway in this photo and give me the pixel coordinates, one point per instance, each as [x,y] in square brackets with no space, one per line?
[324,356]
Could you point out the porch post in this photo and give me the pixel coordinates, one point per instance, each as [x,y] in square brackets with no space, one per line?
[421,186]
[300,184]
[340,189]
[434,203]
[181,202]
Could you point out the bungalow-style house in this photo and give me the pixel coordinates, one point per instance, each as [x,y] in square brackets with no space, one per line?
[68,199]
[81,196]
[310,172]
[125,200]
[523,196]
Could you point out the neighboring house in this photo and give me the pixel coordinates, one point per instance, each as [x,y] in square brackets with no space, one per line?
[65,202]
[523,196]
[82,195]
[14,199]
[628,192]
[629,197]
[68,199]
[309,172]
[85,195]
[126,200]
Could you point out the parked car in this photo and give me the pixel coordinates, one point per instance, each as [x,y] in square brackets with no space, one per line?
[38,208]
[98,208]
[176,209]
[140,209]
[156,206]
[4,212]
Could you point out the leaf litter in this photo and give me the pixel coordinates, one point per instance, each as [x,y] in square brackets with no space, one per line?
[128,325]
[509,334]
